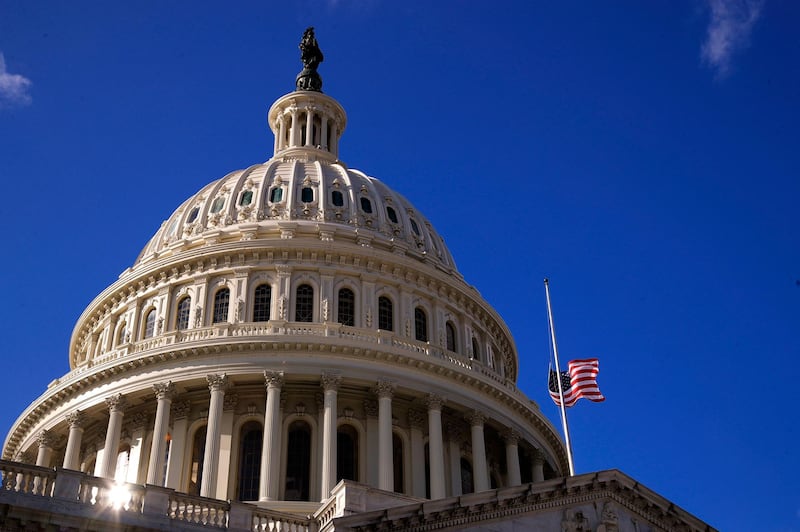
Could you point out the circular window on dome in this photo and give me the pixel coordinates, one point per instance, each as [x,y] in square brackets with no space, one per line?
[217,205]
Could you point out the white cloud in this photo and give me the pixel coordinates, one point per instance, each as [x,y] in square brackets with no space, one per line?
[14,89]
[728,31]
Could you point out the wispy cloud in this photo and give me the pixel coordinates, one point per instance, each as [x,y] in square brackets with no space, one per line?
[728,31]
[14,89]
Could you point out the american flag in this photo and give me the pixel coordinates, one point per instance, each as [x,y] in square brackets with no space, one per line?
[580,380]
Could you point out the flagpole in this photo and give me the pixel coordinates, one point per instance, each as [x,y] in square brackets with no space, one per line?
[558,379]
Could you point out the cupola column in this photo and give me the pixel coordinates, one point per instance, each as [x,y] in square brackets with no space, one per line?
[165,392]
[294,131]
[512,457]
[76,420]
[330,383]
[309,127]
[385,391]
[538,466]
[270,451]
[216,385]
[46,441]
[279,138]
[436,446]
[116,410]
[323,134]
[479,470]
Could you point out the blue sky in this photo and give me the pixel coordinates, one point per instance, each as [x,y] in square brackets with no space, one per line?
[642,155]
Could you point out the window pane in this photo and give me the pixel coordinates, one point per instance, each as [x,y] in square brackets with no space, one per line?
[247,198]
[366,205]
[451,336]
[250,461]
[298,462]
[217,205]
[221,299]
[261,302]
[347,307]
[307,195]
[415,227]
[385,319]
[150,324]
[304,304]
[391,214]
[420,325]
[337,198]
[192,215]
[184,308]
[276,195]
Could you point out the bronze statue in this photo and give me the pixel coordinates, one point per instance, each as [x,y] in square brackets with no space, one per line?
[311,56]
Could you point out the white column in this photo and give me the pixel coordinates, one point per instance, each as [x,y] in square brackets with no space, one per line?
[416,422]
[454,437]
[309,127]
[76,420]
[436,446]
[480,473]
[512,458]
[538,466]
[294,130]
[280,134]
[177,446]
[224,488]
[330,383]
[371,411]
[385,391]
[270,451]
[323,134]
[46,441]
[217,385]
[165,391]
[137,425]
[116,410]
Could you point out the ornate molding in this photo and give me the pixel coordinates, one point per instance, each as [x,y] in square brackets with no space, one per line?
[476,418]
[230,401]
[416,419]
[385,388]
[76,419]
[117,403]
[181,410]
[273,379]
[331,381]
[370,408]
[46,439]
[164,390]
[434,401]
[511,437]
[217,382]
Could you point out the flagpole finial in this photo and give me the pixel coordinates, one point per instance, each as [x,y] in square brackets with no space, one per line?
[546,280]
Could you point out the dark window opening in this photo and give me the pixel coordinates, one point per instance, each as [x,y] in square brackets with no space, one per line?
[307,195]
[250,461]
[247,198]
[262,298]
[196,467]
[337,198]
[192,215]
[276,195]
[366,205]
[420,325]
[184,309]
[304,304]
[217,205]
[347,307]
[467,485]
[150,324]
[397,463]
[450,331]
[346,453]
[385,314]
[221,300]
[298,460]
[391,214]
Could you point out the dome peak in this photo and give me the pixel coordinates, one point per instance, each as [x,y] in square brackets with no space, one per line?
[311,56]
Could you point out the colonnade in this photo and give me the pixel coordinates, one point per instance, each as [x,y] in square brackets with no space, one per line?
[270,467]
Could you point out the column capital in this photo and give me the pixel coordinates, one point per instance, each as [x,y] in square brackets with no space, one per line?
[181,410]
[273,379]
[538,457]
[117,403]
[164,390]
[46,439]
[511,436]
[385,388]
[416,419]
[434,401]
[331,381]
[76,419]
[476,418]
[217,382]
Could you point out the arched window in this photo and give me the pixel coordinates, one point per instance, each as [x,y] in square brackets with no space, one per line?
[122,332]
[150,323]
[346,453]
[304,303]
[221,301]
[182,316]
[420,325]
[476,349]
[298,462]
[262,300]
[346,314]
[385,314]
[450,330]
[196,466]
[251,439]
[397,463]
[466,477]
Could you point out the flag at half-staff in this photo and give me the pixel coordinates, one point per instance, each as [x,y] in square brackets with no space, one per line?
[580,380]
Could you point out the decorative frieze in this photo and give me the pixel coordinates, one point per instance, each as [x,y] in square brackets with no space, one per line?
[181,410]
[229,402]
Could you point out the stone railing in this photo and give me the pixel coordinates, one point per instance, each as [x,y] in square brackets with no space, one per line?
[255,330]
[46,493]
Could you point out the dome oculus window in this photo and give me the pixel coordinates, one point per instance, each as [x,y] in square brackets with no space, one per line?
[276,195]
[192,215]
[246,199]
[366,205]
[307,195]
[391,214]
[337,198]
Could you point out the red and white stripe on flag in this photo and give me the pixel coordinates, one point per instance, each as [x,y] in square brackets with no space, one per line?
[580,380]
